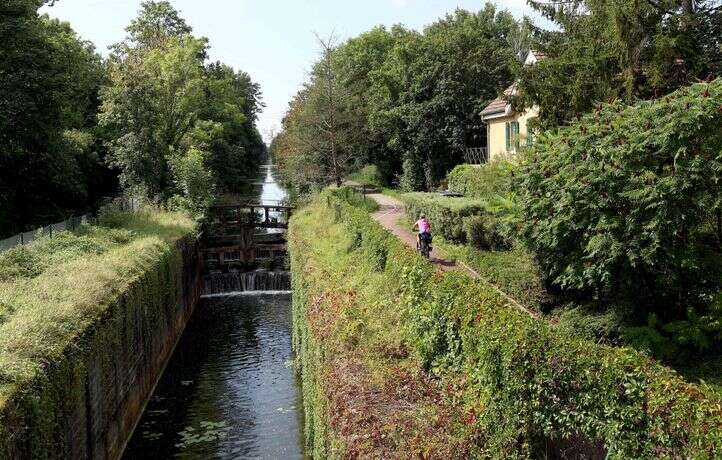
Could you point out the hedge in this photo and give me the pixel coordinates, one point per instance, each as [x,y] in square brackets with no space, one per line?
[485,182]
[448,215]
[529,389]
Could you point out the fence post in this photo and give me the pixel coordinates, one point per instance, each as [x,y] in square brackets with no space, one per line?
[22,239]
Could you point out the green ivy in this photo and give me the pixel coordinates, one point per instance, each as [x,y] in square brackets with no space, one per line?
[531,385]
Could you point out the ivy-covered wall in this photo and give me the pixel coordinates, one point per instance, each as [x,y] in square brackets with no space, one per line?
[524,389]
[86,404]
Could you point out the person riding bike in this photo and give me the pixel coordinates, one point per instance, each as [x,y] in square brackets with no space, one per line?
[424,234]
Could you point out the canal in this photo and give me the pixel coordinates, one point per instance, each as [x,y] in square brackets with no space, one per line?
[230,389]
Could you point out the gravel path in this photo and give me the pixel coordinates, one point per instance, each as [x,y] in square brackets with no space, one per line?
[390,212]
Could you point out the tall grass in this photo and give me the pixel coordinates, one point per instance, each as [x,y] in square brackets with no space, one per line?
[53,290]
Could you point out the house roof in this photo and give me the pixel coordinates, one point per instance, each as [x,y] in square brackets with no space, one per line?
[499,104]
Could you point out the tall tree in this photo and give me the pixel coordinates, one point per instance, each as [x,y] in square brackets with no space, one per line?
[49,81]
[408,98]
[433,87]
[323,130]
[607,49]
[168,114]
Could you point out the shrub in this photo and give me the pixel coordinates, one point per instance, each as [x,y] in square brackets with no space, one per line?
[412,176]
[628,200]
[586,323]
[484,232]
[446,214]
[19,262]
[486,181]
[369,175]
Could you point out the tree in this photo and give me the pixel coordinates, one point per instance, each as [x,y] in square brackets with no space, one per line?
[628,202]
[406,98]
[49,82]
[604,50]
[232,105]
[151,103]
[323,130]
[166,112]
[433,86]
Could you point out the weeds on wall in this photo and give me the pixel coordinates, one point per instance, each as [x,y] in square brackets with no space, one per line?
[520,386]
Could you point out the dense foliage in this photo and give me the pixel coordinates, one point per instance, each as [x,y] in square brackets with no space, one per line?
[177,127]
[603,50]
[448,216]
[524,389]
[400,98]
[158,100]
[51,158]
[626,202]
[487,182]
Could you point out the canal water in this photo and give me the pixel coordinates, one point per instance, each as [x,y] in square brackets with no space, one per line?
[230,390]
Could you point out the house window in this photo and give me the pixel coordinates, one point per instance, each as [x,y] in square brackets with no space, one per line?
[512,135]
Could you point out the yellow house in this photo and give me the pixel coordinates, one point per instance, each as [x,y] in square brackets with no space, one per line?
[507,130]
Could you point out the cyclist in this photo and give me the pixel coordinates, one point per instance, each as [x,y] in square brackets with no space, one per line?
[424,227]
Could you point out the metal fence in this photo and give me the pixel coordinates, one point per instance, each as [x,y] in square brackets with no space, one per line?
[69,225]
[476,155]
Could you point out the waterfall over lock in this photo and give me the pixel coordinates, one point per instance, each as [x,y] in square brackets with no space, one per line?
[257,280]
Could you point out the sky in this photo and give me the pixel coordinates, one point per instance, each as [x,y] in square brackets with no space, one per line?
[272,40]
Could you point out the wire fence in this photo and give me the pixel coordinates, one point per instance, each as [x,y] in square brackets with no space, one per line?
[68,225]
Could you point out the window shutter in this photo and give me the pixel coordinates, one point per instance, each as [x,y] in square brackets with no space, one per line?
[508,136]
[529,136]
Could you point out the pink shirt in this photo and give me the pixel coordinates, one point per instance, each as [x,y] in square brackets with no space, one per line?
[424,226]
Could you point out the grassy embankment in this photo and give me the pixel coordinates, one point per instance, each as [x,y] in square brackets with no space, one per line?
[53,293]
[458,221]
[485,242]
[398,360]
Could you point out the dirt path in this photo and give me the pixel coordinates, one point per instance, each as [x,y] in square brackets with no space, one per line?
[391,211]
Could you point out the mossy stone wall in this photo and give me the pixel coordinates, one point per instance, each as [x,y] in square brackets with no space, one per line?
[87,404]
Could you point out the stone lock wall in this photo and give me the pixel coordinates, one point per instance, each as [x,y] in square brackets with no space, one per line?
[87,405]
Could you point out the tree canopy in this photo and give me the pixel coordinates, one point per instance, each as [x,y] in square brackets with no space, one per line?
[71,122]
[50,158]
[165,106]
[407,97]
[604,50]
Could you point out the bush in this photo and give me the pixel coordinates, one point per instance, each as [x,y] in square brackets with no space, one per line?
[486,181]
[412,176]
[19,262]
[586,323]
[369,175]
[484,232]
[447,215]
[627,200]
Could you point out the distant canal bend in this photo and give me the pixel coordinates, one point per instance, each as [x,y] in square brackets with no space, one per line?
[230,390]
